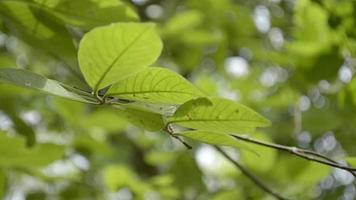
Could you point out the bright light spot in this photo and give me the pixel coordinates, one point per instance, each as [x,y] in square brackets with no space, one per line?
[5,122]
[122,194]
[237,66]
[276,37]
[345,74]
[60,168]
[349,193]
[261,17]
[342,176]
[327,183]
[269,77]
[154,11]
[80,161]
[325,143]
[304,138]
[31,117]
[211,162]
[324,85]
[304,103]
[139,2]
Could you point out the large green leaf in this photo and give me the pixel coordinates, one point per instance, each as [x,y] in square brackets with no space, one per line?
[221,115]
[155,85]
[108,54]
[87,13]
[14,153]
[24,78]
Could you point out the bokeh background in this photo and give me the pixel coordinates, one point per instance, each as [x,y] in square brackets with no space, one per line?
[291,60]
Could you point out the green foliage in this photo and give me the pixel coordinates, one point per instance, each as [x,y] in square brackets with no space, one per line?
[155,85]
[120,127]
[28,79]
[14,153]
[108,54]
[222,116]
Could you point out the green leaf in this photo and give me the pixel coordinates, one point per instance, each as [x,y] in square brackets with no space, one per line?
[210,137]
[87,14]
[351,161]
[222,116]
[39,29]
[111,53]
[144,119]
[24,78]
[260,154]
[14,153]
[155,85]
[119,176]
[2,184]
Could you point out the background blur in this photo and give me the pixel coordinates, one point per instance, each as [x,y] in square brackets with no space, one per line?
[291,60]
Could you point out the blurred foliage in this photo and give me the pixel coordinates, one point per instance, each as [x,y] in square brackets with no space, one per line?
[293,61]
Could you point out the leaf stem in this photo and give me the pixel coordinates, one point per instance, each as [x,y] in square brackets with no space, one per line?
[169,130]
[303,153]
[249,175]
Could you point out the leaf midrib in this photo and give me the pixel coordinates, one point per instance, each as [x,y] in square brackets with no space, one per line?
[119,56]
[209,120]
[152,91]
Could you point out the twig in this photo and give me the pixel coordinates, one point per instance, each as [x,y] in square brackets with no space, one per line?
[249,175]
[303,153]
[169,130]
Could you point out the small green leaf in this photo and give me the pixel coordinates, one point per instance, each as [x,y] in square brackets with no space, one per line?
[144,119]
[222,116]
[14,153]
[111,53]
[24,78]
[155,85]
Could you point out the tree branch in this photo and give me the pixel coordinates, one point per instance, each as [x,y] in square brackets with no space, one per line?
[303,153]
[249,175]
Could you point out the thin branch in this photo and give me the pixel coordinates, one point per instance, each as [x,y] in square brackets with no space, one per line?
[169,130]
[303,153]
[249,175]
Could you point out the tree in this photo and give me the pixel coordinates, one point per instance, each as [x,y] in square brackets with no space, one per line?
[157,99]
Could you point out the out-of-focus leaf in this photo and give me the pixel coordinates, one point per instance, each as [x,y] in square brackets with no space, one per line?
[351,161]
[119,176]
[39,29]
[24,78]
[263,155]
[14,153]
[211,137]
[222,116]
[108,54]
[155,85]
[87,14]
[227,195]
[144,119]
[2,183]
[181,22]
